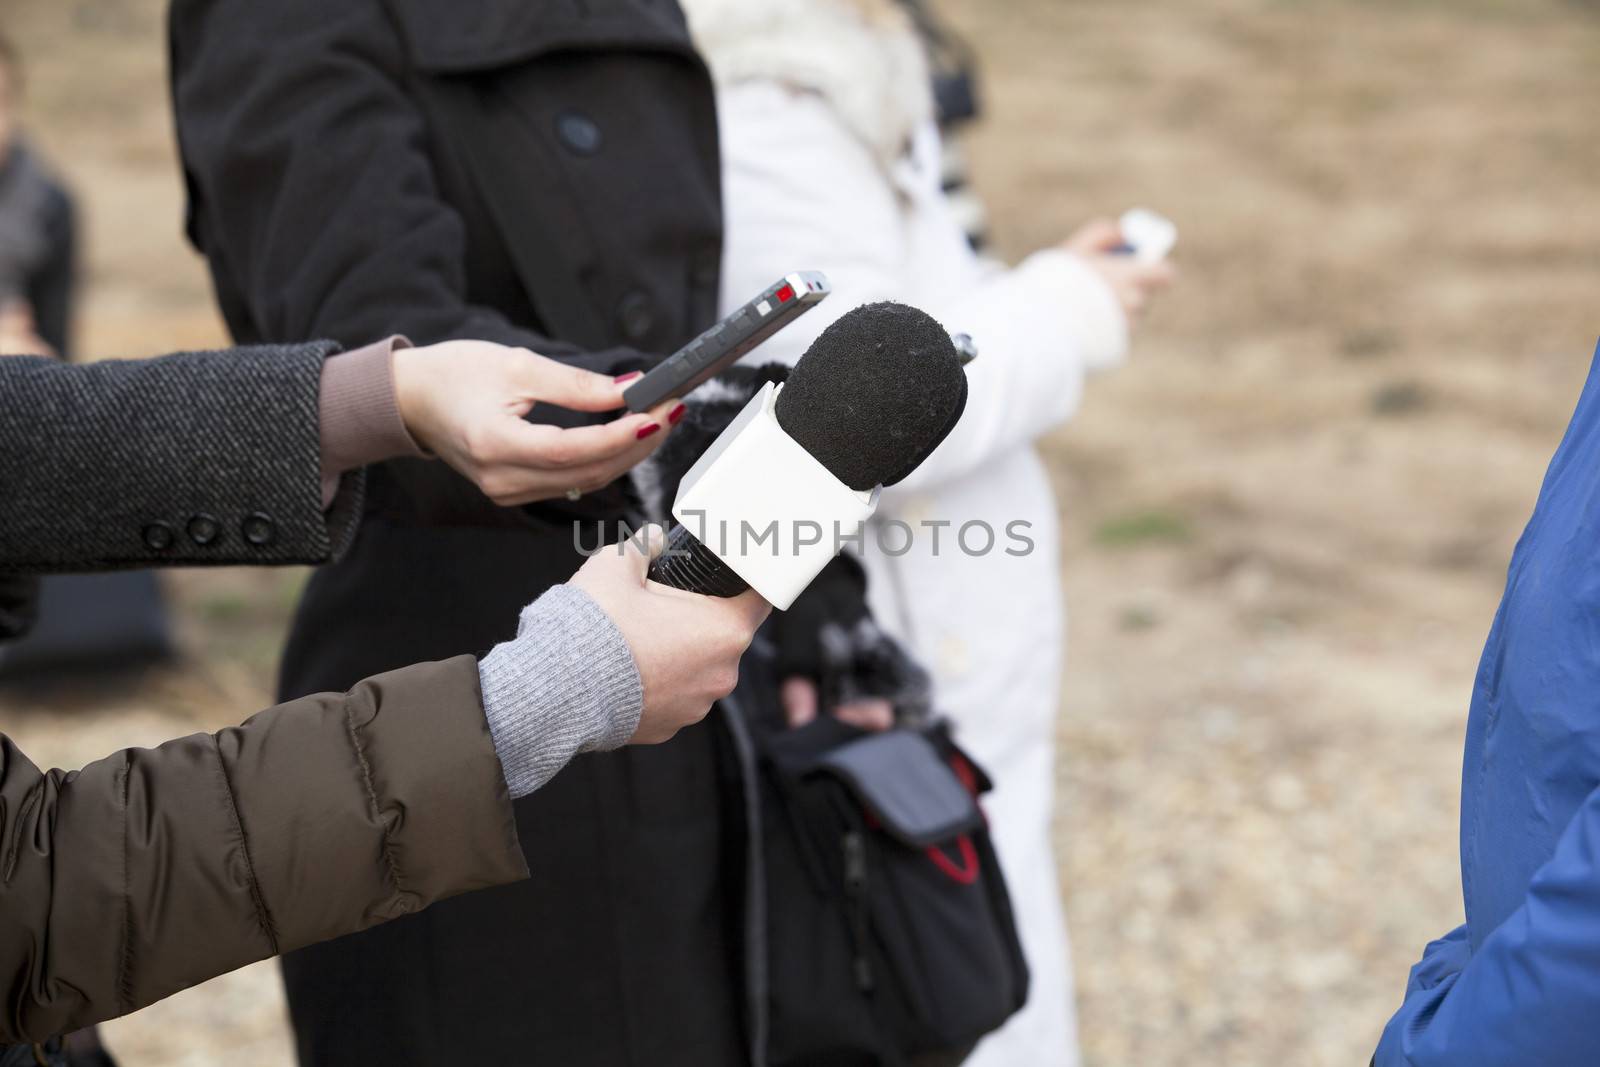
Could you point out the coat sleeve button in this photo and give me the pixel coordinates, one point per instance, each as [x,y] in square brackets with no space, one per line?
[158,536]
[579,133]
[635,317]
[259,529]
[204,529]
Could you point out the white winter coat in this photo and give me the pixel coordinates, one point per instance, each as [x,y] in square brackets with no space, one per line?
[831,163]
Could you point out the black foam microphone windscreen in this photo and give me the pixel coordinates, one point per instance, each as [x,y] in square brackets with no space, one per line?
[876,392]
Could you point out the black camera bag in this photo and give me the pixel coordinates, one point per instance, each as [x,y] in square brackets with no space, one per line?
[890,933]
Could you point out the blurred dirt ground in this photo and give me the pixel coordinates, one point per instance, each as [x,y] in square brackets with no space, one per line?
[1288,518]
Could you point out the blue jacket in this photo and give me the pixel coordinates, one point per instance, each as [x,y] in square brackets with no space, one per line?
[1519,983]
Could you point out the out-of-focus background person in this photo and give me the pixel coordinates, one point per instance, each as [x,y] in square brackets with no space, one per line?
[1287,519]
[831,157]
[37,233]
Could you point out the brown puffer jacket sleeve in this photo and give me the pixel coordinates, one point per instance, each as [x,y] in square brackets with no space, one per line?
[154,870]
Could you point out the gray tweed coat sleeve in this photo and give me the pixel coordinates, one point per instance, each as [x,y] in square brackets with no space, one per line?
[192,459]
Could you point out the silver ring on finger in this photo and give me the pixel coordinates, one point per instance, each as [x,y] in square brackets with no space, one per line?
[574,495]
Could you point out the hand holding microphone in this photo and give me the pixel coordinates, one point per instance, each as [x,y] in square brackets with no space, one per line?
[686,646]
[610,659]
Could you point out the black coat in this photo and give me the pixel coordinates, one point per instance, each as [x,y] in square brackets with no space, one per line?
[538,173]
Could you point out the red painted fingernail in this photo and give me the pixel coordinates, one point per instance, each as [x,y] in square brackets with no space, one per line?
[630,376]
[646,431]
[677,413]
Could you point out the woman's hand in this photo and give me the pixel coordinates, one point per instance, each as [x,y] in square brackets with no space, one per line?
[685,646]
[1133,281]
[464,401]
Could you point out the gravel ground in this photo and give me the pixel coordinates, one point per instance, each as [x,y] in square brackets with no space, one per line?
[1288,518]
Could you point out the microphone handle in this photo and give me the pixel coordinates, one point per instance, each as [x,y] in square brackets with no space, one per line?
[689,565]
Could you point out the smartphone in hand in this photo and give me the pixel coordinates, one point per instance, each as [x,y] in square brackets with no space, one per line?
[722,345]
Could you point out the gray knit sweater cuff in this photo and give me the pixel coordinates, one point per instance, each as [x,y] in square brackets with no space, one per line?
[566,684]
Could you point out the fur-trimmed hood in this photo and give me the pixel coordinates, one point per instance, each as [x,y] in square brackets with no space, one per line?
[862,56]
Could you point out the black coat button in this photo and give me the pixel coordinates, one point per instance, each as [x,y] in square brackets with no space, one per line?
[579,133]
[259,529]
[159,536]
[204,529]
[635,316]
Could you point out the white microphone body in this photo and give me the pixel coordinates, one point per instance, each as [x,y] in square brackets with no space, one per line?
[767,508]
